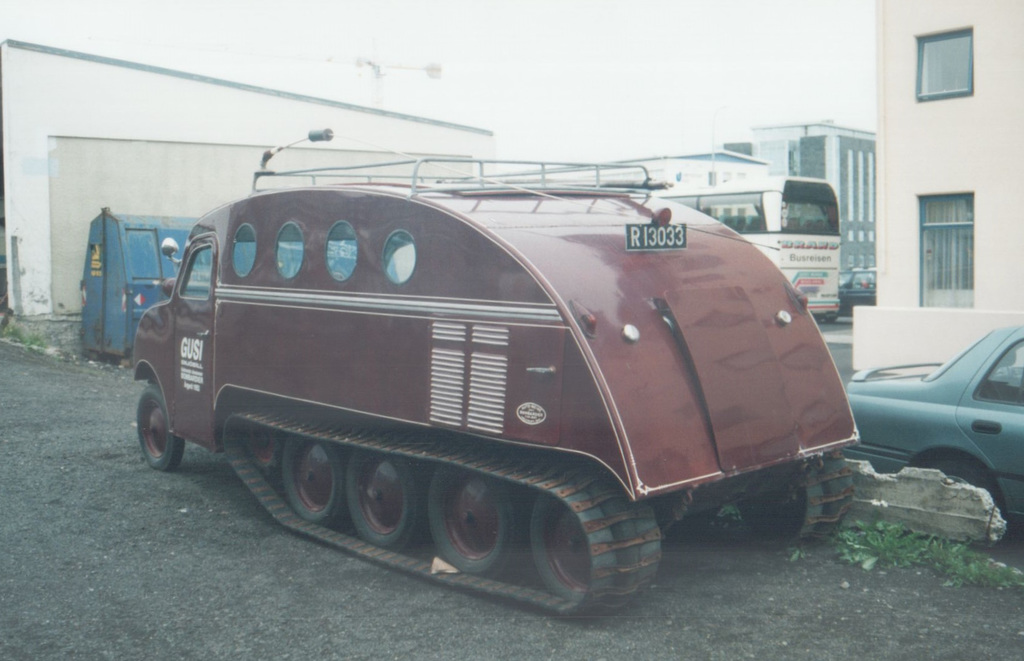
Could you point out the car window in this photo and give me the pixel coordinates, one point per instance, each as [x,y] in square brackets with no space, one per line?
[198,276]
[1003,382]
[342,251]
[399,256]
[863,281]
[243,251]
[290,250]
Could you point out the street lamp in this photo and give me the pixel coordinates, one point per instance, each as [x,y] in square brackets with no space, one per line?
[432,70]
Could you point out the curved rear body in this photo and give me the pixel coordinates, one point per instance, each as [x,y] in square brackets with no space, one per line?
[523,320]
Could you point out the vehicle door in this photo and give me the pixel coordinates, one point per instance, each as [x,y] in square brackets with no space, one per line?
[192,308]
[991,414]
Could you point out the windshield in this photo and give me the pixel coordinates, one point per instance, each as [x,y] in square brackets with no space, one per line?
[809,207]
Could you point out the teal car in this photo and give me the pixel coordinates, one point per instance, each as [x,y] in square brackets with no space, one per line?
[965,418]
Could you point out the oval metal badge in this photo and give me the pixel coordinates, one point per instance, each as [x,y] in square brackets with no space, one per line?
[531,414]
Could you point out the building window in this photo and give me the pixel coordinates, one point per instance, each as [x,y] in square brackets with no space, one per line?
[849,185]
[945,66]
[871,188]
[947,251]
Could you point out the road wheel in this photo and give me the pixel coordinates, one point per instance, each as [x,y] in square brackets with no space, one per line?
[472,520]
[385,499]
[560,548]
[162,449]
[313,476]
[596,548]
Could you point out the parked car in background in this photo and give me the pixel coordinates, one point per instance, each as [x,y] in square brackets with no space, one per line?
[965,418]
[856,287]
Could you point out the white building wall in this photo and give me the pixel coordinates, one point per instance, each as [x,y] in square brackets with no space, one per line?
[80,135]
[958,145]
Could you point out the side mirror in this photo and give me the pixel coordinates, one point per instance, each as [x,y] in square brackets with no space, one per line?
[169,248]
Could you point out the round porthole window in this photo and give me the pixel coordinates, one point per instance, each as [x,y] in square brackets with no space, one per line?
[289,250]
[342,251]
[399,257]
[243,251]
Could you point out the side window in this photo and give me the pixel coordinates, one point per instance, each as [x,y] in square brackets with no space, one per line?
[143,258]
[399,257]
[289,250]
[198,275]
[945,66]
[1003,382]
[243,250]
[342,251]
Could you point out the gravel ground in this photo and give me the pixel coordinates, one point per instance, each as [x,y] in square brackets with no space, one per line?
[104,558]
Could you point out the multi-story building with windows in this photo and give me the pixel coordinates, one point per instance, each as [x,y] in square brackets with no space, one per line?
[844,157]
[951,90]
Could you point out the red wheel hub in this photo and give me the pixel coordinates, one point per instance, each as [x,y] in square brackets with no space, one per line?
[471,518]
[381,495]
[313,477]
[566,549]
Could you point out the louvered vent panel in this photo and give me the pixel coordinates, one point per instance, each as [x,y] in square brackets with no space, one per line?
[487,377]
[448,331]
[447,386]
[492,335]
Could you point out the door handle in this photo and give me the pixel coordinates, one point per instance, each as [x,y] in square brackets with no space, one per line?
[986,427]
[546,371]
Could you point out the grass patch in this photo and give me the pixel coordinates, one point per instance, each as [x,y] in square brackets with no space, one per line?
[887,544]
[33,341]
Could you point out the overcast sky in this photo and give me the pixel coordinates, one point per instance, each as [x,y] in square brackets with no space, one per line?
[554,79]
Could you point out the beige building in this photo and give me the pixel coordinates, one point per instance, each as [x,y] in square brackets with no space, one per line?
[83,132]
[950,235]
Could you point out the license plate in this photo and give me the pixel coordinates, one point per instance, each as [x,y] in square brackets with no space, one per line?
[655,237]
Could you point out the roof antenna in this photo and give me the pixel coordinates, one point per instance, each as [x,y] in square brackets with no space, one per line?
[320,135]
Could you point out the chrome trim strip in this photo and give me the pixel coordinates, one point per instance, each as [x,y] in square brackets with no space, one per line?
[407,305]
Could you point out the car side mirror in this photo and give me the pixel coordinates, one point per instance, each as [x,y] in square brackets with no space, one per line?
[169,248]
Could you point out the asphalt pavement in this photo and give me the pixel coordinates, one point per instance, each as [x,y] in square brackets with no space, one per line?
[103,558]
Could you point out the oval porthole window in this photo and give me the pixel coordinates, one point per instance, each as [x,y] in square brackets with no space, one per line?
[289,250]
[243,252]
[399,258]
[342,251]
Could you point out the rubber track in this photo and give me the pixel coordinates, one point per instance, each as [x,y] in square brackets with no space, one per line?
[559,481]
[829,495]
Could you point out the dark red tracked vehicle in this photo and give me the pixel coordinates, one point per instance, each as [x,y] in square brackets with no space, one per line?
[526,376]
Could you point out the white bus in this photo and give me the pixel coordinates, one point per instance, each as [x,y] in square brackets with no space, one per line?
[793,220]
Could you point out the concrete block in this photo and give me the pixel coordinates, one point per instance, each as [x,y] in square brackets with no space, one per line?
[925,501]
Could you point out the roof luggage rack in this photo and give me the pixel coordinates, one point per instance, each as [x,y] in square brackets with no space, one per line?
[466,174]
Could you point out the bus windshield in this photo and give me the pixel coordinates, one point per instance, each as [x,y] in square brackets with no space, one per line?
[809,208]
[802,207]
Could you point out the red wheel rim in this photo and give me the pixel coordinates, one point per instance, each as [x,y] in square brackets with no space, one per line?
[566,549]
[155,432]
[381,495]
[313,477]
[471,518]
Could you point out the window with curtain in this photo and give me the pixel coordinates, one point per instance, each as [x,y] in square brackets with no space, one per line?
[945,66]
[947,251]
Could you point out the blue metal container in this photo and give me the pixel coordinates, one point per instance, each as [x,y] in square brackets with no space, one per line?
[122,276]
